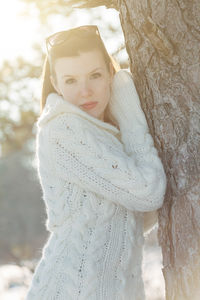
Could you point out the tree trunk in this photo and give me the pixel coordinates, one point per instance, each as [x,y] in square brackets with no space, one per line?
[163,43]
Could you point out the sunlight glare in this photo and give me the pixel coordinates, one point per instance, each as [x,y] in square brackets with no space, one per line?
[16,31]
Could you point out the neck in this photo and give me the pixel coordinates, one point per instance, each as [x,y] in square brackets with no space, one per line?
[102,117]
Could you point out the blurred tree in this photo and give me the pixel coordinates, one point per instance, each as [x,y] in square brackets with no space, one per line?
[48,8]
[162,40]
[19,103]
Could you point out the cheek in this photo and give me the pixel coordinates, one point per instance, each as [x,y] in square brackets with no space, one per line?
[68,92]
[103,90]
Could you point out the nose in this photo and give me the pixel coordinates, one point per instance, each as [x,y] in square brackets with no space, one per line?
[85,89]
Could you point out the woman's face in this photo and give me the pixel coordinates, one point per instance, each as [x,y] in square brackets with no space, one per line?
[84,78]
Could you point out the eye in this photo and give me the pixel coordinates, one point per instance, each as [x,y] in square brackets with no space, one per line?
[96,75]
[69,81]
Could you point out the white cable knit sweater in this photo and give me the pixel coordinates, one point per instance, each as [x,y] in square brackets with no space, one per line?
[95,195]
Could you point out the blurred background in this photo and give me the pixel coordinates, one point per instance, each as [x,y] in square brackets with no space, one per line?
[24,24]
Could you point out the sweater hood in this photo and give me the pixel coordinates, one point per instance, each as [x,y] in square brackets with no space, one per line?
[56,105]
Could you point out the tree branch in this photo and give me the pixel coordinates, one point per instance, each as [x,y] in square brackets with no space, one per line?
[93,3]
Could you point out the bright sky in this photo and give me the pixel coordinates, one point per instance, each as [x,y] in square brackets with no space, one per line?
[15,30]
[18,32]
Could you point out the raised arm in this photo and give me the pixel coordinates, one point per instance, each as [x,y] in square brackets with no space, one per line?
[95,160]
[126,108]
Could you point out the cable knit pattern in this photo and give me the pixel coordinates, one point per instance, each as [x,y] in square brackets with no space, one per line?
[95,194]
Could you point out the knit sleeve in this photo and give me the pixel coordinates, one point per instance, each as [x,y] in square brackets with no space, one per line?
[96,161]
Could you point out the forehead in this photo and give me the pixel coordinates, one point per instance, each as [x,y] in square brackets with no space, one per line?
[82,64]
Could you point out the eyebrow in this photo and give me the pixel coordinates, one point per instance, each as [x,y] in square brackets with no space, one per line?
[66,75]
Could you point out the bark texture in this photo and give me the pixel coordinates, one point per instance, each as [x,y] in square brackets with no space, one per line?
[163,43]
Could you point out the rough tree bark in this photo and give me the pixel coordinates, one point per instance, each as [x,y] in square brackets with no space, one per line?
[163,43]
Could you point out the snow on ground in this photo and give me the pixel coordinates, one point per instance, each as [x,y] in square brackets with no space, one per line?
[14,280]
[152,273]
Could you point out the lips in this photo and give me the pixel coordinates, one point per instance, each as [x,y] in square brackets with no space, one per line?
[89,105]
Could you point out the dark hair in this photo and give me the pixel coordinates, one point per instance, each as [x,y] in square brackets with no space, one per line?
[73,47]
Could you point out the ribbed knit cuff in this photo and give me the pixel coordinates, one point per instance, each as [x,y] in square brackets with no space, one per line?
[139,142]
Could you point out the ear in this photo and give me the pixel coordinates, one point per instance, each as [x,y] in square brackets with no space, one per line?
[54,84]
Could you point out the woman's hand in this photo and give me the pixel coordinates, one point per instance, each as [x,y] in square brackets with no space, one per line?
[124,104]
[125,107]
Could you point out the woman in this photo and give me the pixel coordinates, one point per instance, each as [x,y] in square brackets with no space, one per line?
[99,173]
